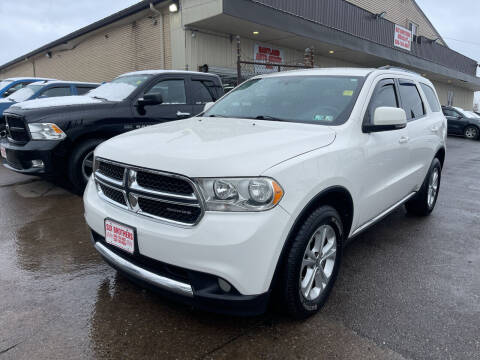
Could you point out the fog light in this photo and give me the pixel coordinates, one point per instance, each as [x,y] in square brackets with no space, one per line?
[225,286]
[37,164]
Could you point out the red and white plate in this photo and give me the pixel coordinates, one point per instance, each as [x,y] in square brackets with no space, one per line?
[120,235]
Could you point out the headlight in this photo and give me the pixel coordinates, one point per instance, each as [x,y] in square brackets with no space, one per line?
[46,131]
[240,194]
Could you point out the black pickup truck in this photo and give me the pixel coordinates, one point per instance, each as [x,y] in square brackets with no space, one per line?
[57,136]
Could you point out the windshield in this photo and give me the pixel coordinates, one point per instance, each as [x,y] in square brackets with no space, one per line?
[324,100]
[119,88]
[25,93]
[5,83]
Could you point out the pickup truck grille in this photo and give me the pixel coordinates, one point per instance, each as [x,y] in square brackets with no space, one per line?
[16,129]
[161,196]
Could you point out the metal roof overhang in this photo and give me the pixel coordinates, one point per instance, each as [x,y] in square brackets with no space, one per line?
[284,29]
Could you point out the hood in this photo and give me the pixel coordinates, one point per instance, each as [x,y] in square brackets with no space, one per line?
[57,101]
[36,110]
[210,147]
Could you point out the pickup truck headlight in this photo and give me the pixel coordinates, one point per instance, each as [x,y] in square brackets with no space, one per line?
[46,131]
[240,194]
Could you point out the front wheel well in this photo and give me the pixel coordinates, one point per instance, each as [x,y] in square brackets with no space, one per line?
[337,197]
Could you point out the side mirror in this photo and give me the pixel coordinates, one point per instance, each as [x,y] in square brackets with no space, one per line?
[150,99]
[208,106]
[387,119]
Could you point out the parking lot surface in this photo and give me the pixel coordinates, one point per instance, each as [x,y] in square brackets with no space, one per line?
[409,288]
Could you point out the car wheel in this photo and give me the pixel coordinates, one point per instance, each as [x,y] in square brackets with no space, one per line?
[424,202]
[80,166]
[471,132]
[312,263]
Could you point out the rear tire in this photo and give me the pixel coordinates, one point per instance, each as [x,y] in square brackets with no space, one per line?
[471,132]
[80,165]
[312,263]
[424,202]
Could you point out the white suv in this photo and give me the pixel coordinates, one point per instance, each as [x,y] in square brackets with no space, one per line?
[262,191]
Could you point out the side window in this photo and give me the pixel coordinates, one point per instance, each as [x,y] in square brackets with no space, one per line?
[203,92]
[56,91]
[14,88]
[385,94]
[82,90]
[172,91]
[411,101]
[431,98]
[448,112]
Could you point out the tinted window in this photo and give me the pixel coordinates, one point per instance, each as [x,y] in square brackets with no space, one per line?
[56,91]
[384,95]
[448,112]
[411,100]
[201,93]
[322,100]
[431,98]
[81,90]
[172,91]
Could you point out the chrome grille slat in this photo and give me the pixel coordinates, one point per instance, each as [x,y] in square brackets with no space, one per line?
[174,208]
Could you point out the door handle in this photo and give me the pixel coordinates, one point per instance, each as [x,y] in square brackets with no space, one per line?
[179,113]
[435,128]
[404,140]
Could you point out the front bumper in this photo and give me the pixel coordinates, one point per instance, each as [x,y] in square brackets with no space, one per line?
[240,248]
[19,157]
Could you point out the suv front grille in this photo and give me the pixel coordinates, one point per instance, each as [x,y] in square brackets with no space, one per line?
[162,196]
[16,129]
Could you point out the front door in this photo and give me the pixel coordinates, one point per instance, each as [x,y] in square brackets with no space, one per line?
[174,106]
[386,176]
[455,121]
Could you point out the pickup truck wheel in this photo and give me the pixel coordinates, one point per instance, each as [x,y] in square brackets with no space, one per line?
[312,263]
[471,132]
[424,202]
[80,165]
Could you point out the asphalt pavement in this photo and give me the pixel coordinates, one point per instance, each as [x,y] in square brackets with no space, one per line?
[409,288]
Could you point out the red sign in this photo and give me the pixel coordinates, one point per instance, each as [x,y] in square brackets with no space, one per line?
[268,54]
[403,38]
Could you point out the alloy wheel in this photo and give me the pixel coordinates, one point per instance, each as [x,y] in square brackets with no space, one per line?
[318,262]
[433,184]
[471,132]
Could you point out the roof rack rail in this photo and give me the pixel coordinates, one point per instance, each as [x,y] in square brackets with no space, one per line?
[389,67]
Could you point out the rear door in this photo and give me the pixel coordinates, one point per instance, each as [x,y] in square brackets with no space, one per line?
[424,128]
[175,104]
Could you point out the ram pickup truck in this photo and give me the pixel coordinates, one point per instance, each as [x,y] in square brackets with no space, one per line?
[57,136]
[262,191]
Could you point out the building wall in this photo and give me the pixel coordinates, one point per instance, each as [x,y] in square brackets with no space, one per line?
[132,45]
[462,98]
[400,12]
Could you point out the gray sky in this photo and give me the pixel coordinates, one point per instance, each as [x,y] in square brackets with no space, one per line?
[28,24]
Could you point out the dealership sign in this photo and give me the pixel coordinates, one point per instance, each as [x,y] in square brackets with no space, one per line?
[403,38]
[268,54]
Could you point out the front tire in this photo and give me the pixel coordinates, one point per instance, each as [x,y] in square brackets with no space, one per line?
[471,132]
[312,263]
[424,202]
[80,165]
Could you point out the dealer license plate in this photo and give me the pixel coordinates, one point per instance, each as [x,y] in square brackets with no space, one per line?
[3,152]
[120,235]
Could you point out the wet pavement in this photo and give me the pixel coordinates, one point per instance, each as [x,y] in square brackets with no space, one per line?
[408,288]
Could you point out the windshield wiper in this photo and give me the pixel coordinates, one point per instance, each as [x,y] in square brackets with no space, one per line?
[268,118]
[99,98]
[219,116]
